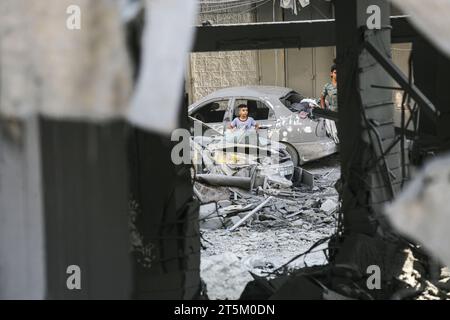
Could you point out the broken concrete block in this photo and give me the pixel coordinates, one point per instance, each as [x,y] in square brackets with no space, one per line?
[263,217]
[225,276]
[224,203]
[302,223]
[278,181]
[328,206]
[207,210]
[212,194]
[267,210]
[236,208]
[231,221]
[243,214]
[311,203]
[212,224]
[291,209]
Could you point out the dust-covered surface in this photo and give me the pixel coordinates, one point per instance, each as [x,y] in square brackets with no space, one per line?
[285,228]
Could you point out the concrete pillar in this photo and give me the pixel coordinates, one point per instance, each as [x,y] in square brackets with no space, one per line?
[366,127]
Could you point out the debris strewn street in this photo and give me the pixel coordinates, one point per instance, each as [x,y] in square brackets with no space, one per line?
[285,227]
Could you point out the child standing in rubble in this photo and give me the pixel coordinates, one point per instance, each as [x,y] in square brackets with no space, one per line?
[243,121]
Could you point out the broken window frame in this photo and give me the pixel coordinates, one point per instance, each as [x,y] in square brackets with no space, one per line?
[206,103]
[270,117]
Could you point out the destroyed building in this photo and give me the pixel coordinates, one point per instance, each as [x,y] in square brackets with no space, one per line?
[93,206]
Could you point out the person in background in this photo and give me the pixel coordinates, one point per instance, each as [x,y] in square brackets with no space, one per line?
[328,99]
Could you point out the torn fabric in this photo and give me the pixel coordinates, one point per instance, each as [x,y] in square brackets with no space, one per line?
[431,18]
[51,69]
[167,41]
[303,3]
[289,4]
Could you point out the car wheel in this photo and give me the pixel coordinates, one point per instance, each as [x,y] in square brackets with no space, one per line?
[294,155]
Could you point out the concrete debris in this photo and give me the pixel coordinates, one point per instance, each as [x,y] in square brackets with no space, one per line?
[251,213]
[241,193]
[236,209]
[224,203]
[291,209]
[328,206]
[213,223]
[206,194]
[286,204]
[289,223]
[302,176]
[241,215]
[225,276]
[278,182]
[232,221]
[207,210]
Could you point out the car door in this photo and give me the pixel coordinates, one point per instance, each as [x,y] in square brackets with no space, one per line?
[212,113]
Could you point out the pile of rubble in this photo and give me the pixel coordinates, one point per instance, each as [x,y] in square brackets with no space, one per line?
[310,198]
[262,257]
[259,230]
[281,208]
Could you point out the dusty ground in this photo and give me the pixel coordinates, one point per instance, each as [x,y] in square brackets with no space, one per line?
[263,246]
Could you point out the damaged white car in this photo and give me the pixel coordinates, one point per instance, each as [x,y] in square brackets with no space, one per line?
[239,153]
[278,111]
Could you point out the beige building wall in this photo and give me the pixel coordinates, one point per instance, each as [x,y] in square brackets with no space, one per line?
[272,67]
[215,70]
[211,71]
[308,69]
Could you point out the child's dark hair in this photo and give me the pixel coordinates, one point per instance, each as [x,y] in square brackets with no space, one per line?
[333,68]
[242,106]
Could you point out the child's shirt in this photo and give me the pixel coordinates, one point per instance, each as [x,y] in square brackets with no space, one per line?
[247,124]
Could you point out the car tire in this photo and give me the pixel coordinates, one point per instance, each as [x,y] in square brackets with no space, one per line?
[294,154]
